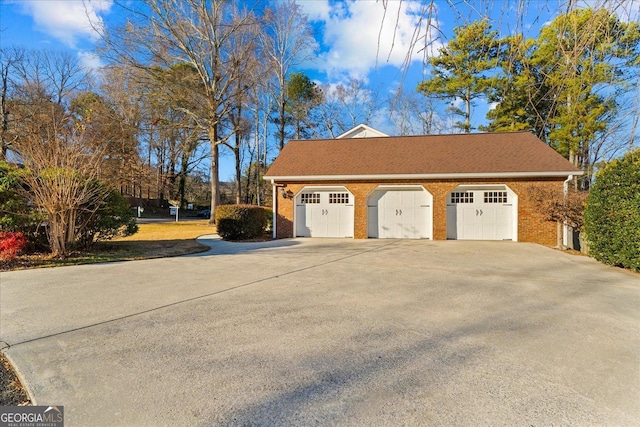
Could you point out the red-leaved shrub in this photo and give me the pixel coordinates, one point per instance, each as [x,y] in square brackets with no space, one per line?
[10,244]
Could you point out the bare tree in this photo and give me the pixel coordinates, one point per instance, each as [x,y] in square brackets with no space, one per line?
[125,118]
[193,32]
[9,60]
[248,72]
[346,105]
[61,169]
[287,41]
[415,114]
[58,73]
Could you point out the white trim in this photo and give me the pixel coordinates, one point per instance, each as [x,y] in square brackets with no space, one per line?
[274,214]
[424,176]
[369,132]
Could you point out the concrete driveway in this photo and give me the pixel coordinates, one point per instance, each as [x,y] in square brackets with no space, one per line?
[331,332]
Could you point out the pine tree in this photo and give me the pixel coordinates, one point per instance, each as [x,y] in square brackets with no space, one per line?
[462,70]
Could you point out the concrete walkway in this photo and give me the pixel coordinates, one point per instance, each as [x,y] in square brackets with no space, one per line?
[331,332]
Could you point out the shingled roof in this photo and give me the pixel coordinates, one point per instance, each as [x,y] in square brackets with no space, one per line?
[426,156]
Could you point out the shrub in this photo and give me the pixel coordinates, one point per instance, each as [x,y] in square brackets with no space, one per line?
[15,213]
[612,214]
[11,244]
[113,217]
[241,222]
[554,206]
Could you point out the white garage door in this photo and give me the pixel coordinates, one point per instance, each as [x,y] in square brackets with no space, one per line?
[485,214]
[399,214]
[324,213]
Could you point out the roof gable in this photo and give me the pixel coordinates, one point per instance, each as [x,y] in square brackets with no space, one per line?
[482,154]
[361,131]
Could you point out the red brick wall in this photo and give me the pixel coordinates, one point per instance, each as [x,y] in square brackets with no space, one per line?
[531,225]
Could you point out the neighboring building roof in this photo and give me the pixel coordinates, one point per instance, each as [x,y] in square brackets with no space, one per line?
[512,154]
[361,131]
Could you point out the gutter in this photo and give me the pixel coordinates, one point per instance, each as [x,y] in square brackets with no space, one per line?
[565,228]
[424,176]
[566,184]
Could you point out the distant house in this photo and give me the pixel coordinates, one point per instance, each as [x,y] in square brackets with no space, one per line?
[467,186]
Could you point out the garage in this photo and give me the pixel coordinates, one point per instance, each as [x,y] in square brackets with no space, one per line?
[399,213]
[482,213]
[467,186]
[324,212]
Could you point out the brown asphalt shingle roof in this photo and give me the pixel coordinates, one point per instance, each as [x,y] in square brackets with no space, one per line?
[421,155]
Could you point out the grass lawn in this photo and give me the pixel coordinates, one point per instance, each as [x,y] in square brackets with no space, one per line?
[155,240]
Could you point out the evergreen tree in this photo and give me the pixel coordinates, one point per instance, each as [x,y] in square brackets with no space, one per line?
[564,85]
[518,93]
[583,55]
[463,68]
[302,96]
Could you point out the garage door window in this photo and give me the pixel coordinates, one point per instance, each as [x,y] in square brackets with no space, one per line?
[495,197]
[338,198]
[310,198]
[462,197]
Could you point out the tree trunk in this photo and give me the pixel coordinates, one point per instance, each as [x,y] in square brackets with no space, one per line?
[215,180]
[467,112]
[282,111]
[3,113]
[238,168]
[182,182]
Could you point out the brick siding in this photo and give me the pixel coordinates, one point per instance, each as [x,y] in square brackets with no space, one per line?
[531,225]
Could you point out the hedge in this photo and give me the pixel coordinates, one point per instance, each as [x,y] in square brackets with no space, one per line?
[612,213]
[242,222]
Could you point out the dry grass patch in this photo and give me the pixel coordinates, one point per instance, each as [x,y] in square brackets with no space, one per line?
[170,231]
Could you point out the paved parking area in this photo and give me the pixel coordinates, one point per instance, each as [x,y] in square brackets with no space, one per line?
[331,332]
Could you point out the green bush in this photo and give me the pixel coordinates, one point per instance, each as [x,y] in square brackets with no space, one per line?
[15,213]
[113,217]
[241,222]
[612,214]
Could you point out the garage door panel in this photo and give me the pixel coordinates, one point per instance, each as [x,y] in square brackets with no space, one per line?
[324,213]
[479,215]
[399,213]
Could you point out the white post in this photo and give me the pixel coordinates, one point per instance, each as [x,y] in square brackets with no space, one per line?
[274,207]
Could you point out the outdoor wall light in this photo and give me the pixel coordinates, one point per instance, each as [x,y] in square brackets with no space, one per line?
[286,194]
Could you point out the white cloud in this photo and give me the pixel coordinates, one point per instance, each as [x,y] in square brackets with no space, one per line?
[90,61]
[626,10]
[318,10]
[67,20]
[359,35]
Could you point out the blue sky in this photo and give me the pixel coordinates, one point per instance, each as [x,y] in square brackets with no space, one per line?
[347,33]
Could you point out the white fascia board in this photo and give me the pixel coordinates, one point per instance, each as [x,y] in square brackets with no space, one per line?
[425,176]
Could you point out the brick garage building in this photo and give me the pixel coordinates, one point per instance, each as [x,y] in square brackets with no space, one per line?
[468,186]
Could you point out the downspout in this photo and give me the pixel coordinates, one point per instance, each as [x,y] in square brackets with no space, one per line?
[565,228]
[275,207]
